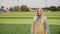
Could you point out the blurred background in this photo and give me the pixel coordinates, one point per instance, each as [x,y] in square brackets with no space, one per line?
[16,15]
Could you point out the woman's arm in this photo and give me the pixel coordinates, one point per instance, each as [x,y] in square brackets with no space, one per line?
[33,25]
[46,26]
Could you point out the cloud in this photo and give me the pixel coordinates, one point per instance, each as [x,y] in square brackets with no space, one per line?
[30,3]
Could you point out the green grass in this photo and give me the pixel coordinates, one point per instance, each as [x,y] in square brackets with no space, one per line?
[28,17]
[14,29]
[14,14]
[26,21]
[20,22]
[24,29]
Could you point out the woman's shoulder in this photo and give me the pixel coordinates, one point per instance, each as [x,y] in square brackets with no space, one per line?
[34,17]
[44,16]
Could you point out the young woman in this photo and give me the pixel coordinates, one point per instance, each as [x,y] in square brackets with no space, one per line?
[40,23]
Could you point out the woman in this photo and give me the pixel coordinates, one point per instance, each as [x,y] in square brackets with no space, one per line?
[40,24]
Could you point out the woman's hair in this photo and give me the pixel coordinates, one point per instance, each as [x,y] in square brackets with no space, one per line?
[39,9]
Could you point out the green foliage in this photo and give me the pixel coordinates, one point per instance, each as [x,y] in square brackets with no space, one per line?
[11,9]
[58,8]
[20,8]
[53,8]
[24,8]
[34,8]
[15,8]
[2,6]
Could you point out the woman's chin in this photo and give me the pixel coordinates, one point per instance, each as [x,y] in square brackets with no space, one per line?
[39,15]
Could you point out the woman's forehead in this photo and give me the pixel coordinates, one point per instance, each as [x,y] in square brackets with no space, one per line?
[39,10]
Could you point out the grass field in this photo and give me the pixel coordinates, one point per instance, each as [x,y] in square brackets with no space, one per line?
[20,22]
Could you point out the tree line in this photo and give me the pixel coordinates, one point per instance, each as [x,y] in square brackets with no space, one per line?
[26,8]
[53,8]
[20,8]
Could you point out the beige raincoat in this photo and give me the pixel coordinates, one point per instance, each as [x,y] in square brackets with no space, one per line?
[39,27]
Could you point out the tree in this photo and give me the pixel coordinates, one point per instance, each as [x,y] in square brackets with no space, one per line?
[46,8]
[16,8]
[58,8]
[11,9]
[24,8]
[2,6]
[53,8]
[34,8]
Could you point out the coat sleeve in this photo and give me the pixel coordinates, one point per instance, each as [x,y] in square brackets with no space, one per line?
[46,27]
[33,25]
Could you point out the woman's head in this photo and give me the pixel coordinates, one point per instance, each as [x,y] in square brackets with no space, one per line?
[39,12]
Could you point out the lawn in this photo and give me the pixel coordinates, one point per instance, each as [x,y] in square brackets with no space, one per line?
[20,22]
[31,14]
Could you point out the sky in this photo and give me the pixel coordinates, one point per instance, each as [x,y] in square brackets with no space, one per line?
[29,3]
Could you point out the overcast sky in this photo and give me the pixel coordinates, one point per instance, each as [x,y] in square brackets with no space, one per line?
[29,3]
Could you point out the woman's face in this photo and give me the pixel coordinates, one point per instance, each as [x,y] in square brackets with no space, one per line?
[39,12]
